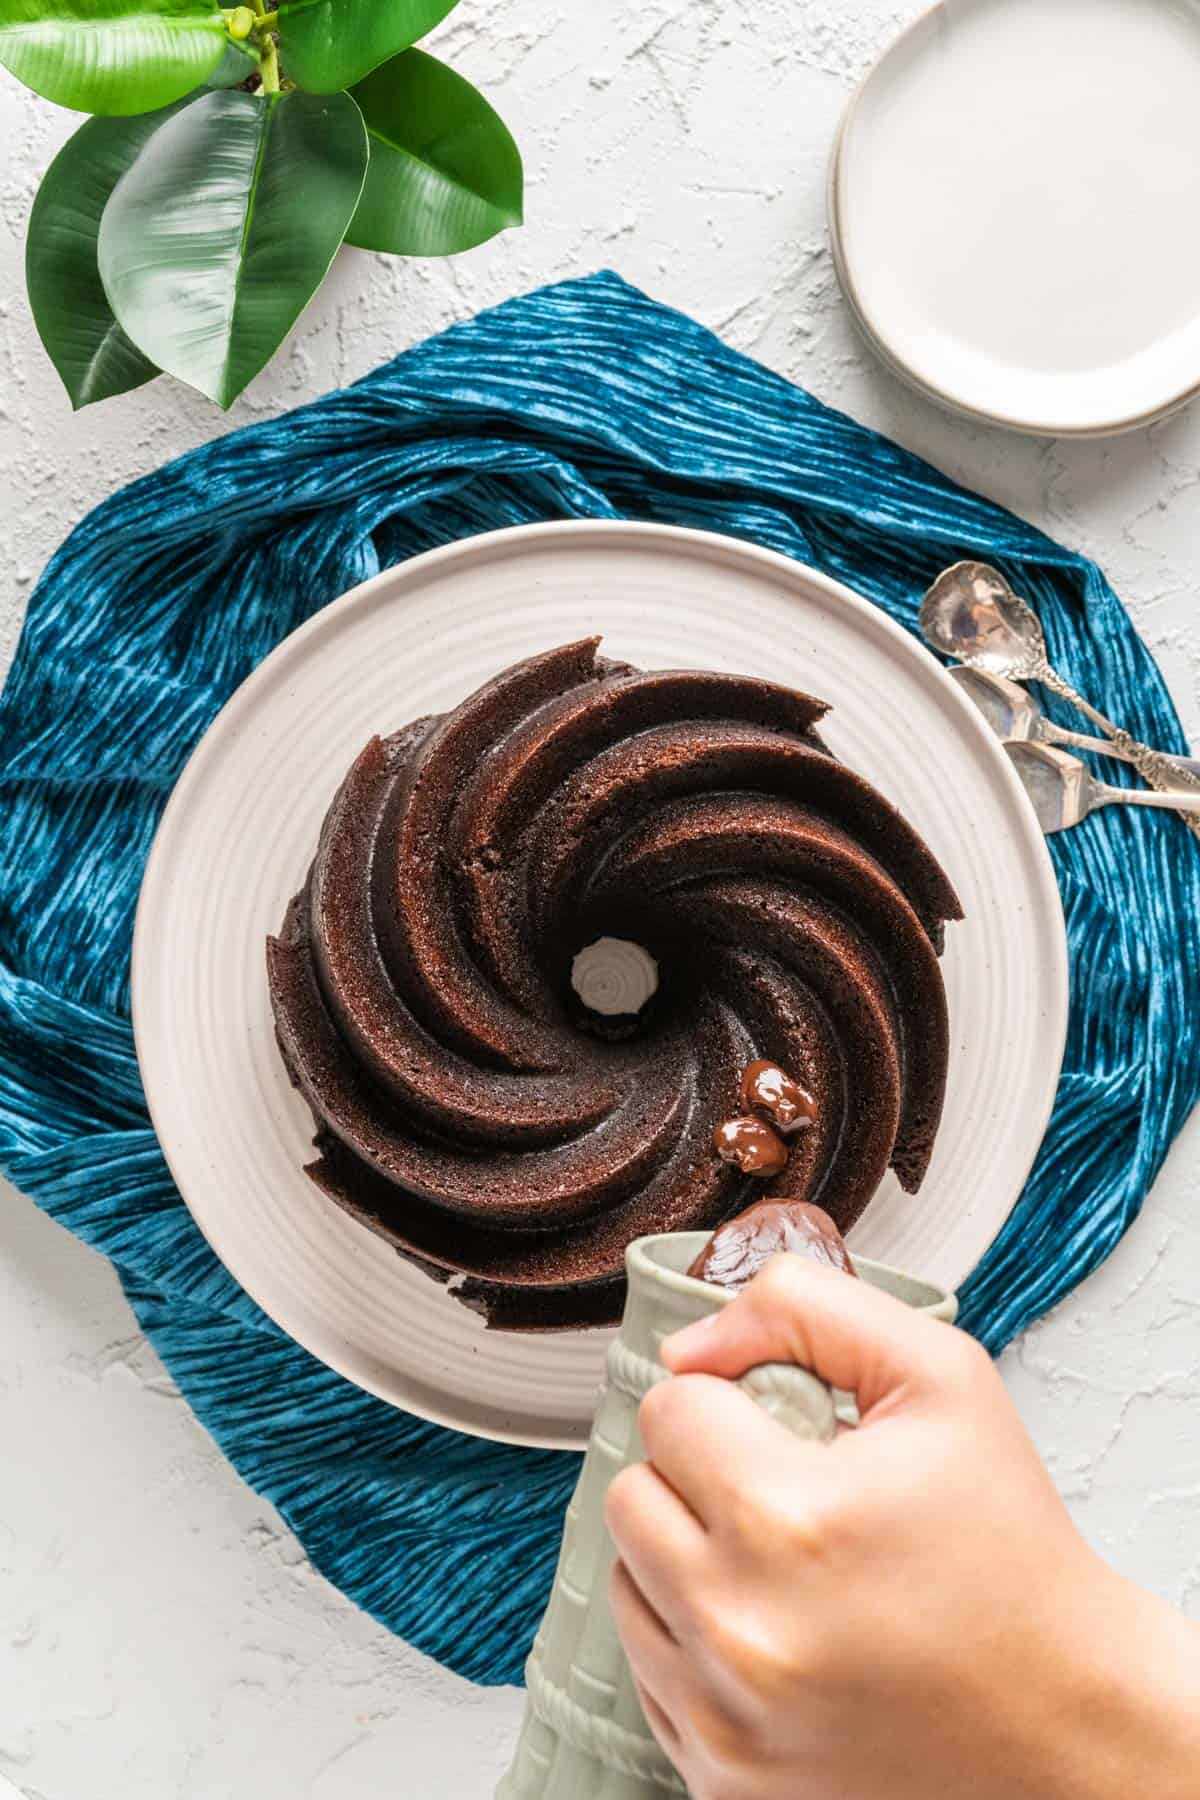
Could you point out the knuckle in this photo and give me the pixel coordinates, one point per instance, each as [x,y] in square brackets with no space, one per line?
[724,1737]
[653,1408]
[745,1515]
[969,1362]
[713,1634]
[777,1286]
[770,1674]
[716,1783]
[666,1406]
[735,1648]
[674,1411]
[753,1657]
[616,1590]
[836,1526]
[787,1523]
[622,1502]
[769,1667]
[705,1613]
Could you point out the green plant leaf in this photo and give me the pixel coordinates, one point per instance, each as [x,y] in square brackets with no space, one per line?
[70,308]
[237,62]
[444,174]
[111,56]
[211,246]
[330,44]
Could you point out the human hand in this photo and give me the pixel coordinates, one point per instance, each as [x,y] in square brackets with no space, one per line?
[906,1612]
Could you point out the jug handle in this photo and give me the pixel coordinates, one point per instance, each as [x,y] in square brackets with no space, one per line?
[793,1396]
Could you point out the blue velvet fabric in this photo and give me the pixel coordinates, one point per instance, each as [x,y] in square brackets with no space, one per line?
[583,400]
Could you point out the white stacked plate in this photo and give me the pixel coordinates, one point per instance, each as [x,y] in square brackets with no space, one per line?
[1013,199]
[240,830]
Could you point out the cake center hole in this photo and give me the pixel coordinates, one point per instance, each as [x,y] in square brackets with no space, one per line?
[614,977]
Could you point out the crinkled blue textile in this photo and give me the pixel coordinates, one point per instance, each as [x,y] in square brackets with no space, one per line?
[585,400]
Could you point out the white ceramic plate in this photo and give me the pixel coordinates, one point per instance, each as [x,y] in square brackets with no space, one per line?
[239,832]
[1011,201]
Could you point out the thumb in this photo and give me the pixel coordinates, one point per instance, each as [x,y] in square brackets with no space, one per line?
[850,1334]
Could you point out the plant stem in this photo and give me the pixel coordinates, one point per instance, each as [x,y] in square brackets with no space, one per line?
[270,56]
[269,66]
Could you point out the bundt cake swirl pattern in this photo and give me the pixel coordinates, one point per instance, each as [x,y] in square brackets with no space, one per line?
[470,1109]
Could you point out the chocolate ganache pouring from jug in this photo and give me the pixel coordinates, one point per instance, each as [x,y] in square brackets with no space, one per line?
[472,1111]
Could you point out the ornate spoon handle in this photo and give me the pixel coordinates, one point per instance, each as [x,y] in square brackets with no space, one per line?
[1155,769]
[1076,740]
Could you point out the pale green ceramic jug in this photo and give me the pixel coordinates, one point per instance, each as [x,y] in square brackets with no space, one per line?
[584,1736]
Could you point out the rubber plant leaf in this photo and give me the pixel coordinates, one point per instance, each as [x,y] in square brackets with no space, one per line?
[111,56]
[70,308]
[211,246]
[444,174]
[238,61]
[326,45]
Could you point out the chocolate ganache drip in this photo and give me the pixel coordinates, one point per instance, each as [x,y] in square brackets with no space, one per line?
[469,1109]
[740,1249]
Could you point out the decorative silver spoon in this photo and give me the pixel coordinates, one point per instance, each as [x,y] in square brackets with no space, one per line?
[1016,715]
[1064,791]
[972,614]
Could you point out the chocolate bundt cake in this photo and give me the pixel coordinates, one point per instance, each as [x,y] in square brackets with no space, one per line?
[470,1109]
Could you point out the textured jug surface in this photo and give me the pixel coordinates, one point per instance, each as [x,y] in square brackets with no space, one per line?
[584,1736]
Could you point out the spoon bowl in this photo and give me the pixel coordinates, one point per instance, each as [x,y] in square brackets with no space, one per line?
[971,613]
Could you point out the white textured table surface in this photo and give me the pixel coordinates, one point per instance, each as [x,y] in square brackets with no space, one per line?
[161,1636]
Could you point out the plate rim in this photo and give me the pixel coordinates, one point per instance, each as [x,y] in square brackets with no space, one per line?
[877,342]
[239,707]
